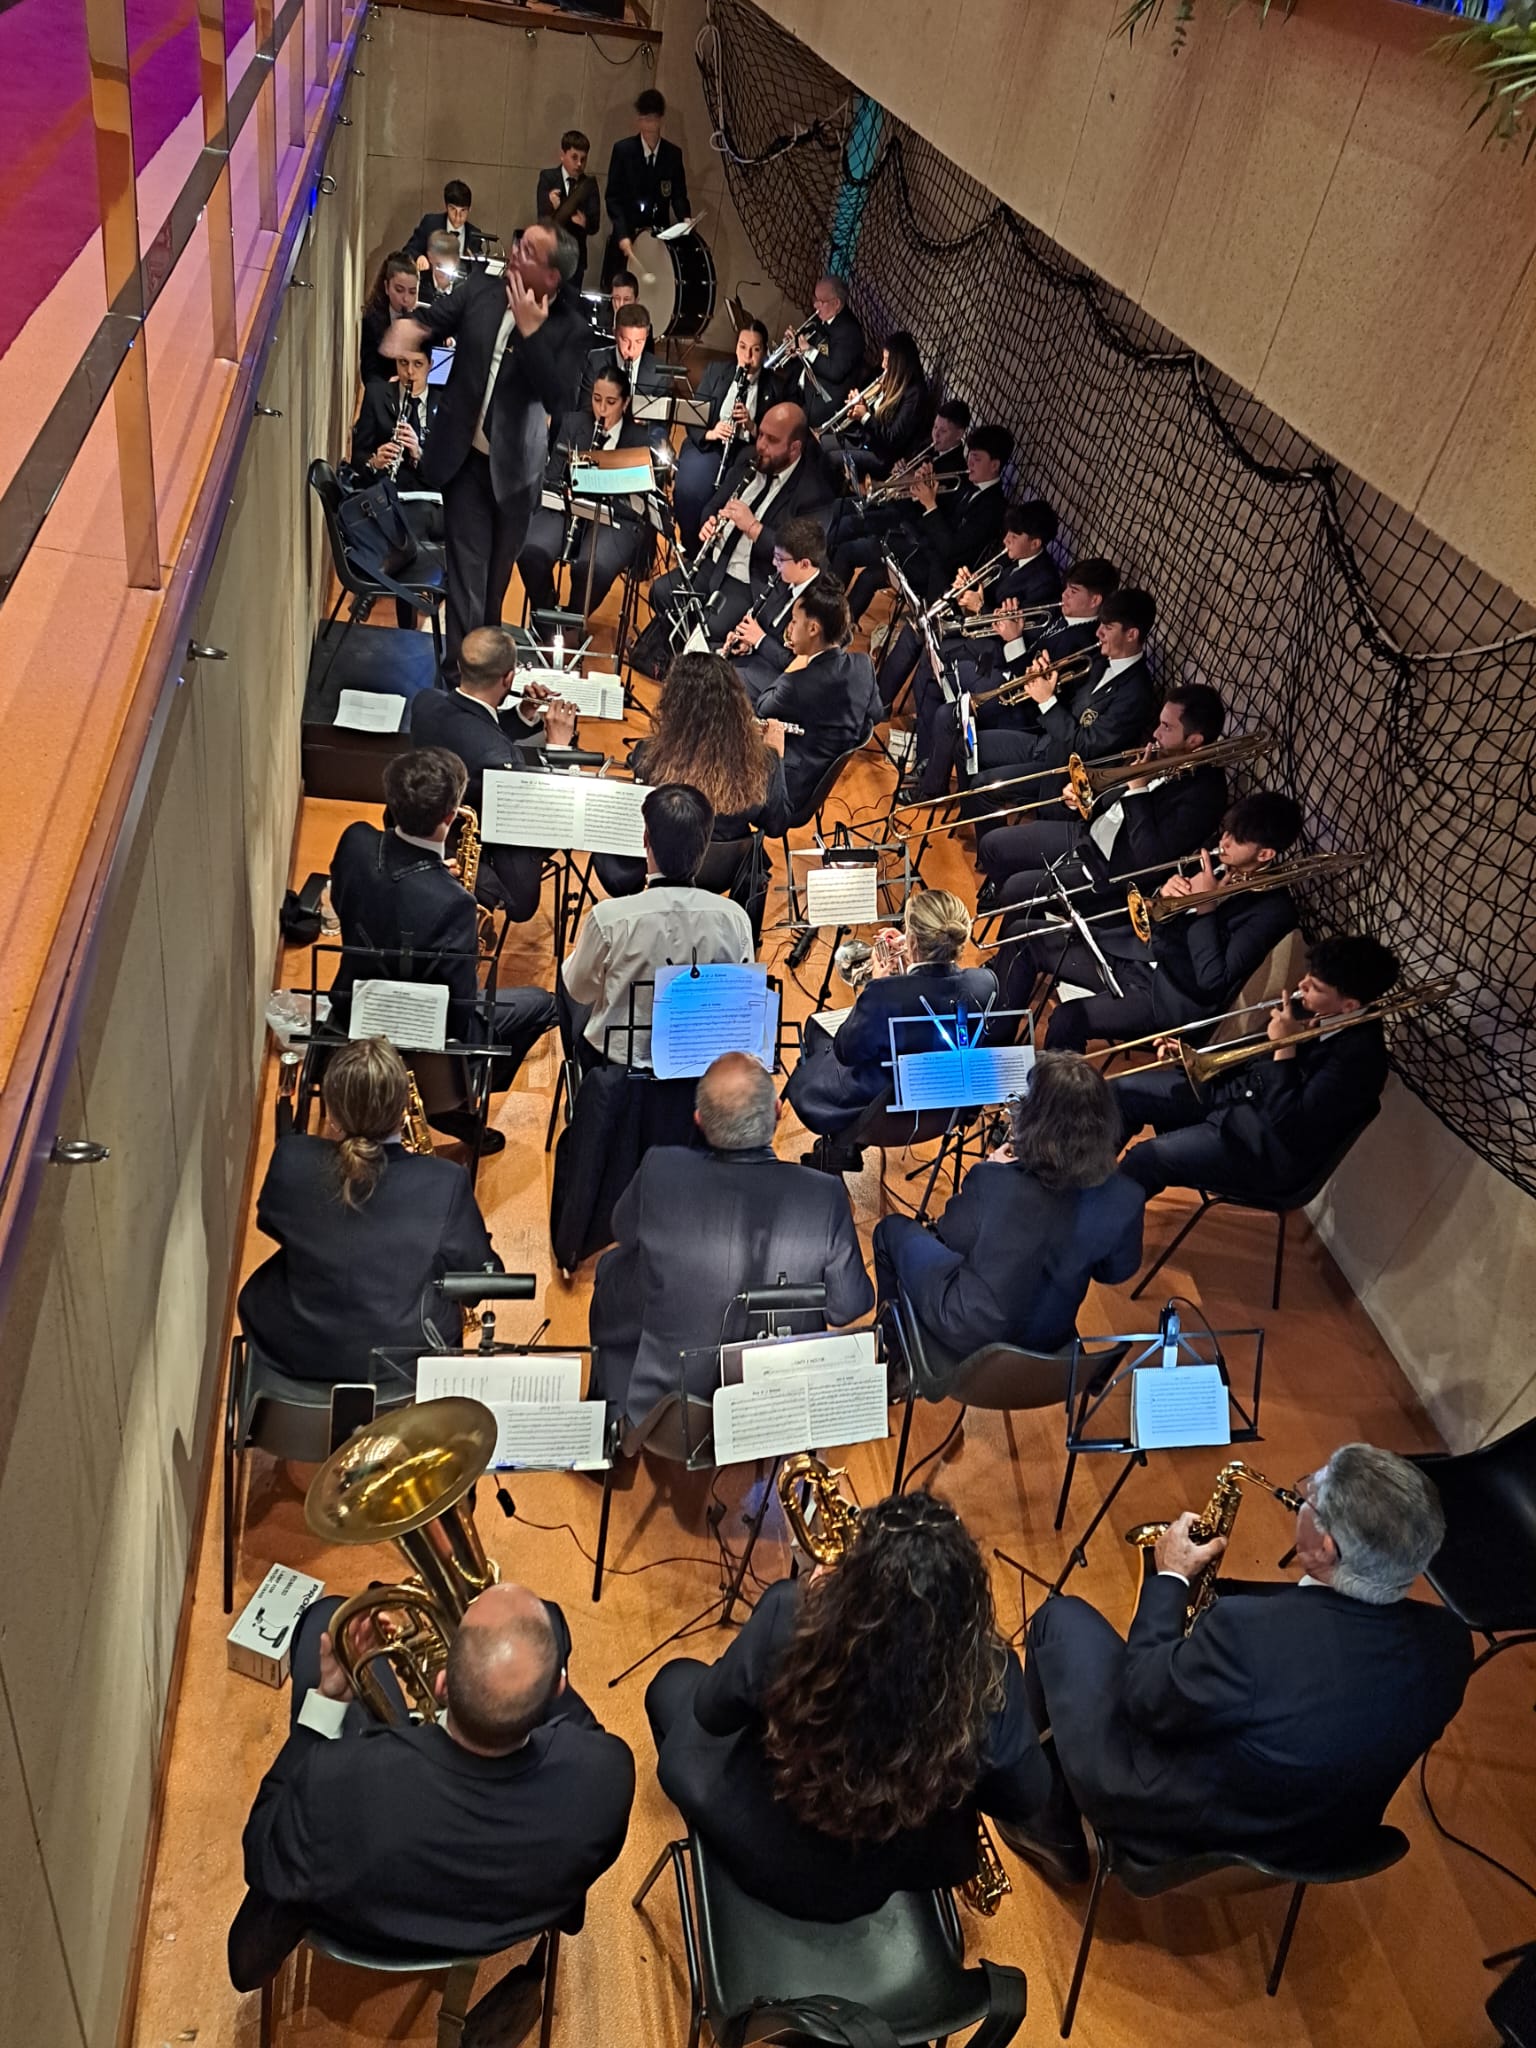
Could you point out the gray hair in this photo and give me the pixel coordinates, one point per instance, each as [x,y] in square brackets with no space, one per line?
[737,1105]
[567,256]
[838,285]
[442,242]
[1385,1519]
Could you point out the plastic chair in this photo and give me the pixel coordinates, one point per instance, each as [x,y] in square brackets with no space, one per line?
[905,1963]
[460,1971]
[1485,1571]
[1282,1207]
[1230,1870]
[267,1409]
[425,579]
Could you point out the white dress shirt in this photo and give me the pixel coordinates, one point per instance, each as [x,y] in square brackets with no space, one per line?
[1012,649]
[624,939]
[1105,829]
[749,399]
[436,846]
[738,563]
[503,339]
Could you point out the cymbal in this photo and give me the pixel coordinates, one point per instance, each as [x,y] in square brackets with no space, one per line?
[412,1465]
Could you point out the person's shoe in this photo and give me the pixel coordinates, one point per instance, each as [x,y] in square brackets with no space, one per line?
[1059,1862]
[462,1125]
[986,895]
[826,1157]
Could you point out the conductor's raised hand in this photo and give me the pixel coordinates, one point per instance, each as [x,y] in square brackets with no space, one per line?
[529,310]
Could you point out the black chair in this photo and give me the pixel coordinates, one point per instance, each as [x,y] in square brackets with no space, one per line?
[809,813]
[425,579]
[1281,1206]
[1512,2007]
[460,1973]
[1485,1571]
[267,1409]
[895,1129]
[1225,1871]
[905,1963]
[680,1429]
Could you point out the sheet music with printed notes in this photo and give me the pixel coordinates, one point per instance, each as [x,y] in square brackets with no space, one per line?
[842,895]
[849,1404]
[370,711]
[771,1418]
[698,1014]
[971,1077]
[600,697]
[822,1350]
[1176,1406]
[832,1021]
[496,1380]
[563,813]
[412,1015]
[549,1436]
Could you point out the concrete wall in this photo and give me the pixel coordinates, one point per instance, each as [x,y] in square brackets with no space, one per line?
[1300,201]
[454,97]
[113,1338]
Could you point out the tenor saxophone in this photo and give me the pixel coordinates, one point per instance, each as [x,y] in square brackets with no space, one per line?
[1215,1519]
[823,1524]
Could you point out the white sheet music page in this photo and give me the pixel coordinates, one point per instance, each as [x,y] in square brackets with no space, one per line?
[498,1379]
[1175,1406]
[768,1419]
[370,711]
[697,1014]
[410,1014]
[836,896]
[832,1021]
[571,813]
[824,1349]
[971,1077]
[548,1436]
[599,697]
[849,1403]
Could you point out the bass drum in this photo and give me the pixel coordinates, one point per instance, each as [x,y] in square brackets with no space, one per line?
[677,283]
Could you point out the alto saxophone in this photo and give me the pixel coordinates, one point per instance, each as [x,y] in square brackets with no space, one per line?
[1215,1519]
[414,1134]
[467,861]
[823,1526]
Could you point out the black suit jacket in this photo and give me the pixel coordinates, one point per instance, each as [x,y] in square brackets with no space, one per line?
[1092,722]
[398,1838]
[400,904]
[345,1279]
[1282,1724]
[479,736]
[1291,1116]
[430,223]
[970,1285]
[376,420]
[1037,581]
[807,494]
[1199,961]
[896,435]
[836,352]
[830,1087]
[640,199]
[1162,824]
[648,375]
[837,702]
[693,1229]
[712,387]
[539,376]
[771,656]
[963,531]
[582,198]
[711,1764]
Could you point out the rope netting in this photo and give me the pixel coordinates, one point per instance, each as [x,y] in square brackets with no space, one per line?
[1316,606]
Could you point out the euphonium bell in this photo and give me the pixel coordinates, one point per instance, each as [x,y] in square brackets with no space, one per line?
[405,1480]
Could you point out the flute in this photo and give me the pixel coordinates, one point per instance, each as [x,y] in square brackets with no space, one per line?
[798,730]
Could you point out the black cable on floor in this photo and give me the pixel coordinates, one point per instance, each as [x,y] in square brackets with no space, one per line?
[1460,1840]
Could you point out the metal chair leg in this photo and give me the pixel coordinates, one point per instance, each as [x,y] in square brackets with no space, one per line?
[1206,1203]
[1069,2011]
[1292,1916]
[655,1871]
[602,1532]
[901,1448]
[1281,1219]
[1066,1490]
[551,1973]
[455,2003]
[264,2024]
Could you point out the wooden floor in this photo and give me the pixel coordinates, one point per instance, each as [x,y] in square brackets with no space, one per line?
[1395,1963]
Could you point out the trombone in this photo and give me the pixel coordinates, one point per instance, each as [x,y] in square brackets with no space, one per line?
[1209,1063]
[844,413]
[1089,784]
[1026,618]
[1147,912]
[1164,868]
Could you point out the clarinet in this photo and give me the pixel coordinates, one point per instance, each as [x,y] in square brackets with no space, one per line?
[728,448]
[711,548]
[399,455]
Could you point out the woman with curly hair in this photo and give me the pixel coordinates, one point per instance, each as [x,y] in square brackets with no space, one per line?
[842,1747]
[706,734]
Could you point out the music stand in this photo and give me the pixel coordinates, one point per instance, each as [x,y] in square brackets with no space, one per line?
[1099,1416]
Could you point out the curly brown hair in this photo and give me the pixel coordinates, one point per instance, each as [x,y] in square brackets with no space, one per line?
[705,734]
[877,1711]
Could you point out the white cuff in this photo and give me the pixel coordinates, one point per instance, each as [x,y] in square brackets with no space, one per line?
[1165,1573]
[323,1714]
[1012,649]
[1048,705]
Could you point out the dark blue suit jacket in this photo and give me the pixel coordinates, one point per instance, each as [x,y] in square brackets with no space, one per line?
[839,1078]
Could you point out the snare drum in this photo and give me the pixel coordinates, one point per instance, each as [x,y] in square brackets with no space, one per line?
[677,283]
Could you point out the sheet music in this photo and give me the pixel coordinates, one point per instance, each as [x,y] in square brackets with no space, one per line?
[832,1021]
[822,1350]
[498,1380]
[370,711]
[594,696]
[768,1419]
[573,813]
[697,1015]
[549,1436]
[1175,1406]
[971,1077]
[410,1014]
[842,895]
[588,481]
[849,1403]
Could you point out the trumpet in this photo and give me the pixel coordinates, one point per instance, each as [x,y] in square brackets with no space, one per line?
[781,353]
[901,476]
[973,579]
[1147,912]
[1208,1063]
[1025,617]
[1071,669]
[844,413]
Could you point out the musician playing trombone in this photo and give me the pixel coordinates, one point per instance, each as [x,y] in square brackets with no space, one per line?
[1194,963]
[1273,1123]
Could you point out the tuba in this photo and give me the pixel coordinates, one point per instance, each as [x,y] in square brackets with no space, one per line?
[405,1480]
[823,1524]
[1215,1519]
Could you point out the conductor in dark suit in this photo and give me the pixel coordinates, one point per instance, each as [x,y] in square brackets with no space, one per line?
[456,1837]
[475,722]
[840,1076]
[826,691]
[832,352]
[404,917]
[696,1228]
[519,343]
[1196,962]
[1286,1720]
[647,185]
[567,195]
[1274,1124]
[363,1229]
[1052,1189]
